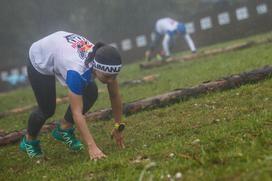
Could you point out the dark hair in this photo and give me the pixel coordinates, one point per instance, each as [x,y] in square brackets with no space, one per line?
[91,55]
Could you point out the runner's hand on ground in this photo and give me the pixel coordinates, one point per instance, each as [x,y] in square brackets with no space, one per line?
[119,139]
[96,154]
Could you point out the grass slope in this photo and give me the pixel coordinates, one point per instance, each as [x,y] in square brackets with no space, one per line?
[12,100]
[172,76]
[220,136]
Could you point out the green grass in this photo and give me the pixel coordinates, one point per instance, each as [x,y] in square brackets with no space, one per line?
[12,100]
[233,128]
[171,77]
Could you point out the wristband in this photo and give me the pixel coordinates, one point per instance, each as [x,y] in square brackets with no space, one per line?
[119,126]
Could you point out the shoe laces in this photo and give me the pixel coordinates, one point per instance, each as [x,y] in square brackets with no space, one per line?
[69,136]
[33,150]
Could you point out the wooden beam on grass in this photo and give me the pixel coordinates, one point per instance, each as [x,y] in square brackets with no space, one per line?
[61,100]
[29,108]
[168,98]
[154,64]
[206,53]
[15,136]
[145,79]
[230,82]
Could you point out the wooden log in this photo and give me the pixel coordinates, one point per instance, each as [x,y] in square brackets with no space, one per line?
[59,100]
[29,108]
[145,79]
[2,132]
[16,110]
[157,63]
[100,114]
[230,82]
[189,57]
[171,97]
[15,136]
[11,138]
[206,53]
[150,78]
[65,99]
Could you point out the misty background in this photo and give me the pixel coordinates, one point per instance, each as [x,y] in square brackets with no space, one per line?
[24,21]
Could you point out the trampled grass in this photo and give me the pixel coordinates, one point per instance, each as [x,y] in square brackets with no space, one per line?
[221,136]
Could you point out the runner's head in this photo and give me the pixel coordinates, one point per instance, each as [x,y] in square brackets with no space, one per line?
[106,62]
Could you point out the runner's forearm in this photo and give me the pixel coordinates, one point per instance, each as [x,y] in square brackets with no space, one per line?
[84,131]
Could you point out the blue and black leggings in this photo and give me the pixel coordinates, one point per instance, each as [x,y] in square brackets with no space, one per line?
[44,88]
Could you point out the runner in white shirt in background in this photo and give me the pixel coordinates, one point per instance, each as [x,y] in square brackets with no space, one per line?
[75,62]
[167,28]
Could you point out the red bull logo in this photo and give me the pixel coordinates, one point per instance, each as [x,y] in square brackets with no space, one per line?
[82,45]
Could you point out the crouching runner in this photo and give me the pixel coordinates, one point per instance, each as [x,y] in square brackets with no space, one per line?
[75,62]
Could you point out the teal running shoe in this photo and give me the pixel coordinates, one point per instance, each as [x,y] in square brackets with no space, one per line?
[67,137]
[32,148]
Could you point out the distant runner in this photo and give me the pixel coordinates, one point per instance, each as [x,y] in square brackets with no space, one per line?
[167,28]
[75,62]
